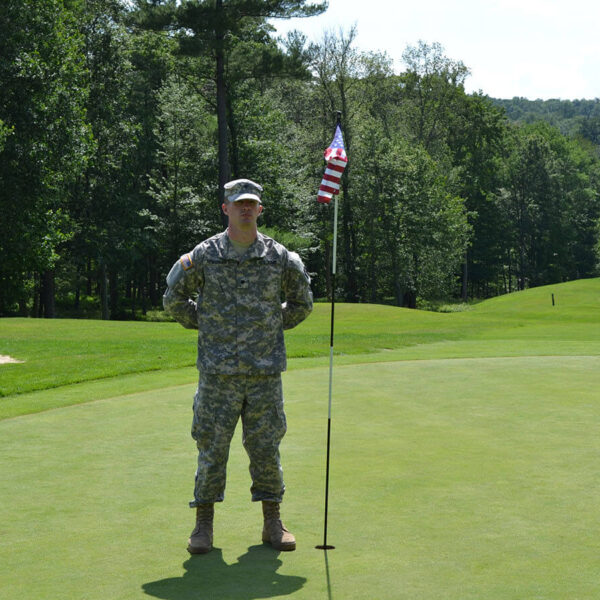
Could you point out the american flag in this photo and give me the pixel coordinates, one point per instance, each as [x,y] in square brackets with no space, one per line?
[336,159]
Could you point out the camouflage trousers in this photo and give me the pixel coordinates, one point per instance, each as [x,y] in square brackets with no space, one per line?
[218,404]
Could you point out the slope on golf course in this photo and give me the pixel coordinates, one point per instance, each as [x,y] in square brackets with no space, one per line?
[84,360]
[464,459]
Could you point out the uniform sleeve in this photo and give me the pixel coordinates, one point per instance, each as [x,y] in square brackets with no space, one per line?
[184,283]
[298,295]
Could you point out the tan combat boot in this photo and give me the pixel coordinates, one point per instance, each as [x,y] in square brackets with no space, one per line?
[201,539]
[274,531]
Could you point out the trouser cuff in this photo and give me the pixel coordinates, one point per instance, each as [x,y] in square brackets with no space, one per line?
[259,496]
[195,503]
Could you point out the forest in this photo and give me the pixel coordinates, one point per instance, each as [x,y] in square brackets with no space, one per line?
[120,121]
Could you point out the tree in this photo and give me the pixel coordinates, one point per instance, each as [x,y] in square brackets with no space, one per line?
[476,141]
[432,90]
[103,202]
[152,61]
[207,28]
[44,143]
[550,204]
[179,186]
[338,67]
[4,133]
[416,230]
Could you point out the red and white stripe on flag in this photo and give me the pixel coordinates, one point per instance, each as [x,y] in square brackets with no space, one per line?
[336,159]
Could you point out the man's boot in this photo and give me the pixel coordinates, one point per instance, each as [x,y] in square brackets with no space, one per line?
[274,531]
[201,539]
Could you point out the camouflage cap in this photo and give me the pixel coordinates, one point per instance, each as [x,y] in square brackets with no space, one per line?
[242,189]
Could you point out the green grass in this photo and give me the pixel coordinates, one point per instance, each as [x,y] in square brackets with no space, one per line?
[58,352]
[457,479]
[62,352]
[464,459]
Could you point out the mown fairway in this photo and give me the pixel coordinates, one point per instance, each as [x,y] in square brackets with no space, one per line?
[465,456]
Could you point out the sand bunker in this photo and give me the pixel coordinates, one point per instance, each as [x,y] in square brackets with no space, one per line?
[4,359]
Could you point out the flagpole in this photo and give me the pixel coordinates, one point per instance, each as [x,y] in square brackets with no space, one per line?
[325,546]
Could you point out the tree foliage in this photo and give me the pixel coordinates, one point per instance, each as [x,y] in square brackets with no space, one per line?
[120,121]
[45,141]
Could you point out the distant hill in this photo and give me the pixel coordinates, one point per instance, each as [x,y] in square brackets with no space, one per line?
[571,117]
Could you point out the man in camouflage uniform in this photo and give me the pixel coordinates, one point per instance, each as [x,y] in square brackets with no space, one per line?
[230,288]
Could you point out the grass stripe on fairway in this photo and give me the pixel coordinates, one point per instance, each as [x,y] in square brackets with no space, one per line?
[456,479]
[90,391]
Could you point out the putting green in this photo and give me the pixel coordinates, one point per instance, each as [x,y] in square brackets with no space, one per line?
[454,478]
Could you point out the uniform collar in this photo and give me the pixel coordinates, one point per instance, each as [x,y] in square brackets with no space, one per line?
[258,248]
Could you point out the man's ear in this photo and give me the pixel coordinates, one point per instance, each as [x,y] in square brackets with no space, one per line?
[224,208]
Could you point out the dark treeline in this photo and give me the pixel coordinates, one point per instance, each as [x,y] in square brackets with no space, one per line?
[120,120]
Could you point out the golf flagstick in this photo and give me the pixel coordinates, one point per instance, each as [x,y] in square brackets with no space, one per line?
[324,546]
[339,144]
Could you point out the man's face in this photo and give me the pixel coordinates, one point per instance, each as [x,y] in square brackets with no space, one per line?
[243,213]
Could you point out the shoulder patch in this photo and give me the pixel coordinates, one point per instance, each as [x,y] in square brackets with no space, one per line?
[186,262]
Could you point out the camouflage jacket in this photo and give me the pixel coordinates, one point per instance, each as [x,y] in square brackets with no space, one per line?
[236,303]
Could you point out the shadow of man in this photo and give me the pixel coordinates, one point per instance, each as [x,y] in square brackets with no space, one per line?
[209,577]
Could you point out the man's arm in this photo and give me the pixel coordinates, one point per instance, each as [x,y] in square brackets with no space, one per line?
[298,295]
[183,283]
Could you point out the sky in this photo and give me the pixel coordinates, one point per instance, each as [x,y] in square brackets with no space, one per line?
[535,49]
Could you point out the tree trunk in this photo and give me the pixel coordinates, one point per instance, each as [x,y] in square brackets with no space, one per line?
[465,279]
[223,150]
[399,294]
[47,291]
[349,258]
[398,288]
[235,161]
[153,286]
[133,299]
[143,296]
[104,291]
[35,310]
[22,307]
[349,237]
[113,289]
[88,283]
[409,300]
[77,289]
[372,273]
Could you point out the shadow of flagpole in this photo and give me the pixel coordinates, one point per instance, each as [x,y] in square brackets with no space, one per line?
[329,594]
